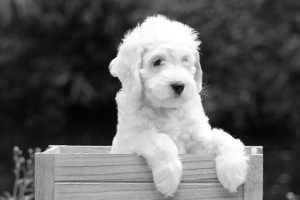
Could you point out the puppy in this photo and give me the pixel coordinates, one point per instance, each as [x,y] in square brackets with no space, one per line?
[160,114]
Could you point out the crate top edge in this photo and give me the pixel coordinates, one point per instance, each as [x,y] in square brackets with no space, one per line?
[77,149]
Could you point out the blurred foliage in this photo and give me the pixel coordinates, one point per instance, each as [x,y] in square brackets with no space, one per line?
[55,87]
[23,188]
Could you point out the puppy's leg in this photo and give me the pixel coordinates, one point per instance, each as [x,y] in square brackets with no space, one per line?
[231,161]
[161,154]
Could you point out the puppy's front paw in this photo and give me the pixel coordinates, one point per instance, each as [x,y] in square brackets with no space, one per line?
[167,177]
[231,170]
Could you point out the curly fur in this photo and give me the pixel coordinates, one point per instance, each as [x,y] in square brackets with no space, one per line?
[157,123]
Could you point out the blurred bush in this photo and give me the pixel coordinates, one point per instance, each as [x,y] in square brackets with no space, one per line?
[55,87]
[23,188]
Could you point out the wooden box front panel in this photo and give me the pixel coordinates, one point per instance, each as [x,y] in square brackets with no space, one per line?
[80,173]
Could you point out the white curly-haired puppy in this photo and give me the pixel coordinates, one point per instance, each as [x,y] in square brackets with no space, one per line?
[160,114]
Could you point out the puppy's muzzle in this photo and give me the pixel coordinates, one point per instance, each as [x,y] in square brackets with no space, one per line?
[177,88]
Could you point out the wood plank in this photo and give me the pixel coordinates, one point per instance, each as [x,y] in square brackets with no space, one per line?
[127,168]
[253,189]
[106,149]
[253,150]
[52,149]
[84,149]
[138,191]
[44,176]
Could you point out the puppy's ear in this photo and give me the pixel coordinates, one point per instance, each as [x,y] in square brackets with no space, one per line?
[126,67]
[113,67]
[198,74]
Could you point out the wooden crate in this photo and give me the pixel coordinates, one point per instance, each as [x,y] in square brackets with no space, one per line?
[90,172]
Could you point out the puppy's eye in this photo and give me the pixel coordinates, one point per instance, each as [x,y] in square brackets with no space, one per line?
[157,62]
[184,59]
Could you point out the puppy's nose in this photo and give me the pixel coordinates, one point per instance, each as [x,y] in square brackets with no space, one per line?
[178,88]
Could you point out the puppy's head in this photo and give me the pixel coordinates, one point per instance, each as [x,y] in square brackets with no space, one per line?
[159,61]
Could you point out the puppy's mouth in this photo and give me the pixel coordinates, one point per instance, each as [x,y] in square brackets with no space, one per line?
[173,100]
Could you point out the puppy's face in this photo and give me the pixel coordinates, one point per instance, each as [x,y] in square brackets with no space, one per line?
[158,61]
[167,74]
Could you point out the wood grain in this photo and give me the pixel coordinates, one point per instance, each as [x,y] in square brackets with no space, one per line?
[126,168]
[138,191]
[91,172]
[84,149]
[44,176]
[106,149]
[253,187]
